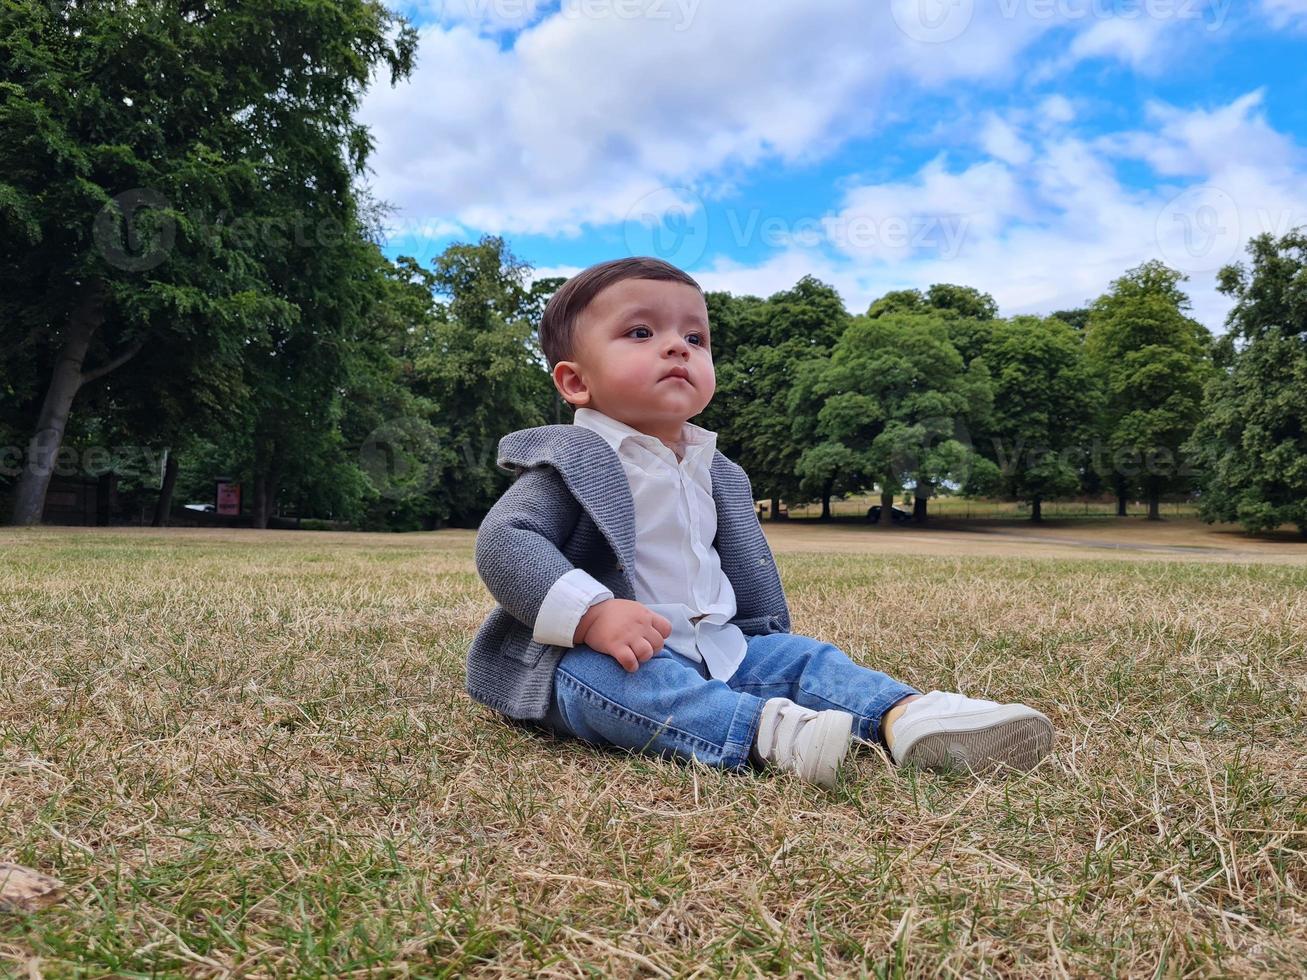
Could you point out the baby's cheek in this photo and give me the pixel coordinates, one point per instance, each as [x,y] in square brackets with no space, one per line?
[634,376]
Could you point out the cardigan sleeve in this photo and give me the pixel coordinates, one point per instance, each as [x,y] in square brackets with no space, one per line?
[518,546]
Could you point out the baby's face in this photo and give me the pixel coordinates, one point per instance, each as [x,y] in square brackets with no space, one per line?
[642,356]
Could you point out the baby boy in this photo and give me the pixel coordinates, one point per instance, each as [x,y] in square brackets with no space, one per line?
[639,605]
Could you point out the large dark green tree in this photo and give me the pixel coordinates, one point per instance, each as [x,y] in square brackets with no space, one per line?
[482,371]
[153,158]
[1044,408]
[1252,439]
[1152,361]
[758,346]
[892,405]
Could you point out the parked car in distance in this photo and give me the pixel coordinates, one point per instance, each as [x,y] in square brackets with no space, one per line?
[898,515]
[202,508]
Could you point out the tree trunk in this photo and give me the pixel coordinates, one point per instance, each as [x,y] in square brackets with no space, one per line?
[886,522]
[256,502]
[1036,509]
[1154,498]
[65,381]
[163,506]
[825,504]
[1120,497]
[266,482]
[775,508]
[262,496]
[106,498]
[920,501]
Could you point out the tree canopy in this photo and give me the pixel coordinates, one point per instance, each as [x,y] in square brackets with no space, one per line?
[1252,438]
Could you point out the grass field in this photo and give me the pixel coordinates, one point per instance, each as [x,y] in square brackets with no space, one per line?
[250,754]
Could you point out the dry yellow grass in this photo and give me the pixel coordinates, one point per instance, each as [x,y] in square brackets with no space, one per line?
[250,754]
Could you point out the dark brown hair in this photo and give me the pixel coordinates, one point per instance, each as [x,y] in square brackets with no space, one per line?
[559,319]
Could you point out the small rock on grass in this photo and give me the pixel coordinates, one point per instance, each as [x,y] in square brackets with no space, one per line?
[25,890]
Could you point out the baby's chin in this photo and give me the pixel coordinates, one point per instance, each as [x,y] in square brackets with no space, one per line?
[684,399]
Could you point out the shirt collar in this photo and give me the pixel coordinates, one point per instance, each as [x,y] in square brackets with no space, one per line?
[695,440]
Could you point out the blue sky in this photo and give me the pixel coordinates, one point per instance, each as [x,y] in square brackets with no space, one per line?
[1035,149]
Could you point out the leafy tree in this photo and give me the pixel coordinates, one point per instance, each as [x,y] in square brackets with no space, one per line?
[133,129]
[965,302]
[891,405]
[1152,361]
[482,372]
[967,311]
[1252,439]
[386,424]
[1076,318]
[1044,407]
[898,301]
[758,347]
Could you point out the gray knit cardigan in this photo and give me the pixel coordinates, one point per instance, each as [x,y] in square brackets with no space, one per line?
[570,507]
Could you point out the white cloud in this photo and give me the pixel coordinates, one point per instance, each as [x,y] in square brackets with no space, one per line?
[587,112]
[1212,141]
[1285,13]
[1053,231]
[1148,36]
[1000,140]
[1056,109]
[1131,41]
[935,213]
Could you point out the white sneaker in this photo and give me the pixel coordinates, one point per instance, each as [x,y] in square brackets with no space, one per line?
[951,731]
[811,743]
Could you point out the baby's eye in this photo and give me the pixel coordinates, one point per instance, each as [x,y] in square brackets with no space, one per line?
[645,329]
[701,340]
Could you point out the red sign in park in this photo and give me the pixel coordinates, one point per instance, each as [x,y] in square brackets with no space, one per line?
[229,499]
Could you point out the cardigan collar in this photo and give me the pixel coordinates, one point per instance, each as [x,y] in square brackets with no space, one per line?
[587,464]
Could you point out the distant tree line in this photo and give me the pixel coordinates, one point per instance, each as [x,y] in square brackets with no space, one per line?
[192,285]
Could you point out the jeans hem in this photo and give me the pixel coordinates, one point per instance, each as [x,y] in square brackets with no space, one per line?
[743,731]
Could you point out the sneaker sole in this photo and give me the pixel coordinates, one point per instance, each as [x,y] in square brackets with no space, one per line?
[829,745]
[1016,745]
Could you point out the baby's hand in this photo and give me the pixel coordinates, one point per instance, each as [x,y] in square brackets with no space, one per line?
[629,632]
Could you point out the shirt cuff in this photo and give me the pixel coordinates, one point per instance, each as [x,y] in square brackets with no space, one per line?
[565,603]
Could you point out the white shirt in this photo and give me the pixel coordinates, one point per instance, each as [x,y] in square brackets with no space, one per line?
[678,573]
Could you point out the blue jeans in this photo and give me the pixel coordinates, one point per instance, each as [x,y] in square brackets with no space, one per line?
[670,707]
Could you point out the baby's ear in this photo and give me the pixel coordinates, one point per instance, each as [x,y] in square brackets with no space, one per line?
[570,384]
